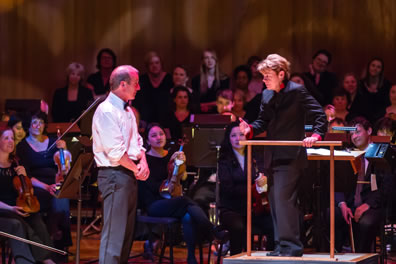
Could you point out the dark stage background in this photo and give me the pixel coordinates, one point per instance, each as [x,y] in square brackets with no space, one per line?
[39,38]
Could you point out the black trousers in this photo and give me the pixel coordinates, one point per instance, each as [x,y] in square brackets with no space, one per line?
[283,190]
[193,218]
[235,223]
[32,228]
[364,231]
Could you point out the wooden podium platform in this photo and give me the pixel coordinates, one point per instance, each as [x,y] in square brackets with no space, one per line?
[315,258]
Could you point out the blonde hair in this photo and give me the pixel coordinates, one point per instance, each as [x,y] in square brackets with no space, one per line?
[204,73]
[75,67]
[276,63]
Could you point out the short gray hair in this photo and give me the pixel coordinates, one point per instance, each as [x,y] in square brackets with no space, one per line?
[119,74]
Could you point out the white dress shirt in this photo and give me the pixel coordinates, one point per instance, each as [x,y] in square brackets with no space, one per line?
[115,132]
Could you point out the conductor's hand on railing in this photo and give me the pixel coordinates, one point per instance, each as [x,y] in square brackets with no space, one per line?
[244,127]
[309,141]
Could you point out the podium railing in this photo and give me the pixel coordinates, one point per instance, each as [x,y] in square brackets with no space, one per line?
[249,144]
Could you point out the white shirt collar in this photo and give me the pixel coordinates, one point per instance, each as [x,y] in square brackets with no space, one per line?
[116,101]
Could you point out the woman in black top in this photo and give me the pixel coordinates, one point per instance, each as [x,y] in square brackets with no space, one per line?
[69,102]
[374,88]
[209,81]
[38,160]
[14,219]
[233,193]
[192,216]
[181,112]
[153,99]
[98,82]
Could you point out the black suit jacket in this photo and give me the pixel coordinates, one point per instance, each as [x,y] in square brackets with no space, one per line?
[372,198]
[233,181]
[283,115]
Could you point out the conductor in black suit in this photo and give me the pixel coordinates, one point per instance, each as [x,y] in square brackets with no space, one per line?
[284,106]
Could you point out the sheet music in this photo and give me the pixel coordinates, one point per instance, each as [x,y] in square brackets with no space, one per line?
[326,152]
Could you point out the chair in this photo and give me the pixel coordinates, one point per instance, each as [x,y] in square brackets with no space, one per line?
[5,251]
[170,227]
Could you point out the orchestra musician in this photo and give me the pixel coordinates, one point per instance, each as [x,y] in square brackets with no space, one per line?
[192,216]
[38,159]
[13,219]
[284,105]
[233,193]
[362,206]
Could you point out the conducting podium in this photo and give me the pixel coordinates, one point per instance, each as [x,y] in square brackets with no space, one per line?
[248,257]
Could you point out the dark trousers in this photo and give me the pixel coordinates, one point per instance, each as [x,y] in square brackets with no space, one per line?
[192,216]
[284,210]
[32,228]
[364,231]
[119,192]
[235,223]
[56,216]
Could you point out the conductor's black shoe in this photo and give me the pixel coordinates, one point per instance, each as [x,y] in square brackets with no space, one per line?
[220,235]
[274,253]
[291,253]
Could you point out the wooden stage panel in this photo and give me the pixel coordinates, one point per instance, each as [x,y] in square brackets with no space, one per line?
[321,258]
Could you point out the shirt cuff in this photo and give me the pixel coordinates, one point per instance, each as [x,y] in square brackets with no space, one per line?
[317,136]
[250,134]
[340,203]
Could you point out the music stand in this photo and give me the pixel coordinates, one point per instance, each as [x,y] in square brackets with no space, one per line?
[71,189]
[204,138]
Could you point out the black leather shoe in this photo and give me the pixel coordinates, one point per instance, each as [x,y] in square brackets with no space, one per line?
[274,253]
[290,254]
[220,235]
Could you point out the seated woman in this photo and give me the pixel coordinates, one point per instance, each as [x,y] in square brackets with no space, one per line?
[98,82]
[233,193]
[340,101]
[16,124]
[38,160]
[181,112]
[192,216]
[70,101]
[209,81]
[391,110]
[13,219]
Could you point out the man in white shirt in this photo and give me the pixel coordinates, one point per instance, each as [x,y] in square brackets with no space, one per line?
[120,156]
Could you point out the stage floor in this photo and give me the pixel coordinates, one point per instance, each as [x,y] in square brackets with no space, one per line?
[260,257]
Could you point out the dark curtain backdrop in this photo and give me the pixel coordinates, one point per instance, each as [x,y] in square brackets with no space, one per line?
[39,38]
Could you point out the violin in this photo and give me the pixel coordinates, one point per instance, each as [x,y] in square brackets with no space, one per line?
[26,199]
[171,187]
[260,203]
[62,159]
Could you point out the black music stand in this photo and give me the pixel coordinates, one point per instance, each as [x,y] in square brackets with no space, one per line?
[204,138]
[71,189]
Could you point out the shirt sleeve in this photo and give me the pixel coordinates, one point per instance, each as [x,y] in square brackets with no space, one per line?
[108,136]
